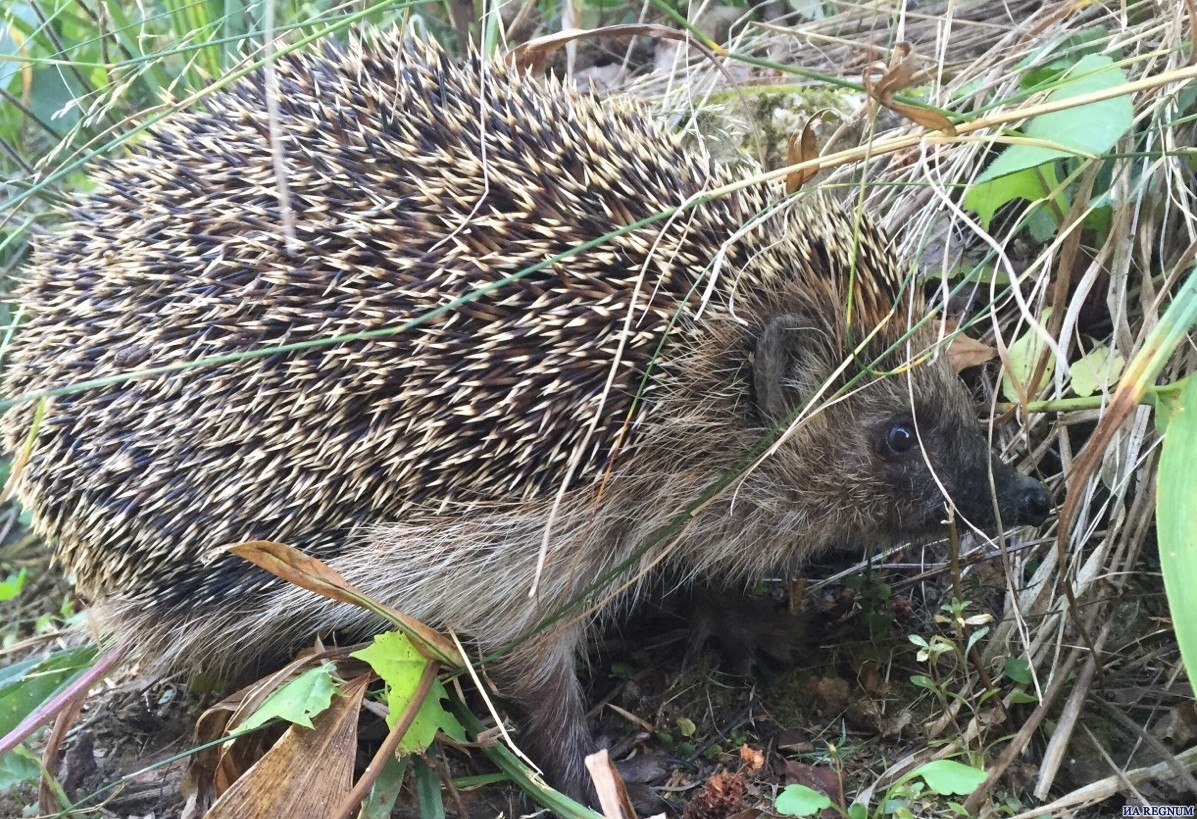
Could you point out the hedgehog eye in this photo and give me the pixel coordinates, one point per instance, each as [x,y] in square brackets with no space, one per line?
[900,438]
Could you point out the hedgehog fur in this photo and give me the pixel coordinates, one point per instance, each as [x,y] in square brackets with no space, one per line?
[583,405]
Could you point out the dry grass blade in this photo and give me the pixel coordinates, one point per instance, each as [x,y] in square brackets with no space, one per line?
[613,796]
[22,458]
[533,55]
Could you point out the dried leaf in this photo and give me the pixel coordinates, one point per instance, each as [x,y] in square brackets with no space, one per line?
[803,147]
[898,76]
[314,575]
[964,352]
[926,117]
[1178,727]
[212,771]
[753,758]
[308,772]
[822,778]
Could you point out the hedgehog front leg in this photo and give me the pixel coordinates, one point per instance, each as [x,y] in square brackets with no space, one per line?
[540,679]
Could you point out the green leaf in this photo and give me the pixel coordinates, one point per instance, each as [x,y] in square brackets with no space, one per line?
[1099,369]
[428,790]
[52,97]
[1166,400]
[25,686]
[10,55]
[395,659]
[1091,129]
[1078,43]
[1176,522]
[947,776]
[18,766]
[975,638]
[799,800]
[1018,670]
[299,700]
[1094,127]
[12,585]
[686,726]
[384,793]
[36,682]
[1024,355]
[1032,184]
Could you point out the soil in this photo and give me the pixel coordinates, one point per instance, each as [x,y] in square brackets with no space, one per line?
[730,685]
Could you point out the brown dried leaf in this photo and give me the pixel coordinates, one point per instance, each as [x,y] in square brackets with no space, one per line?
[794,741]
[753,758]
[308,772]
[892,727]
[926,117]
[803,147]
[822,779]
[1178,727]
[314,575]
[964,352]
[898,76]
[872,680]
[211,771]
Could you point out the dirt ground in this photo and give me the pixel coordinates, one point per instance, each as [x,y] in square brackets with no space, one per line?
[702,684]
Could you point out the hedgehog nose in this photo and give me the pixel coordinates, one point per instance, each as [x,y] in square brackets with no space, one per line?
[1034,504]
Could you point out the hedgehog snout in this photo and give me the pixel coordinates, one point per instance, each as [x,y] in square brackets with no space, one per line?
[1021,500]
[1032,503]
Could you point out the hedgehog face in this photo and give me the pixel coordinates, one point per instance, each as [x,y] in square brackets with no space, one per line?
[883,459]
[927,446]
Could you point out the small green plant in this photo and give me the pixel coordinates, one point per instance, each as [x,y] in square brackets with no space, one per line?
[12,585]
[936,651]
[25,687]
[940,777]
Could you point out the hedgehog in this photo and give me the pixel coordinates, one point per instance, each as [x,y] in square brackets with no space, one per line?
[512,342]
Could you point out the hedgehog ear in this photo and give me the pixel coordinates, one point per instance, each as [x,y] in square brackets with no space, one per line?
[782,350]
